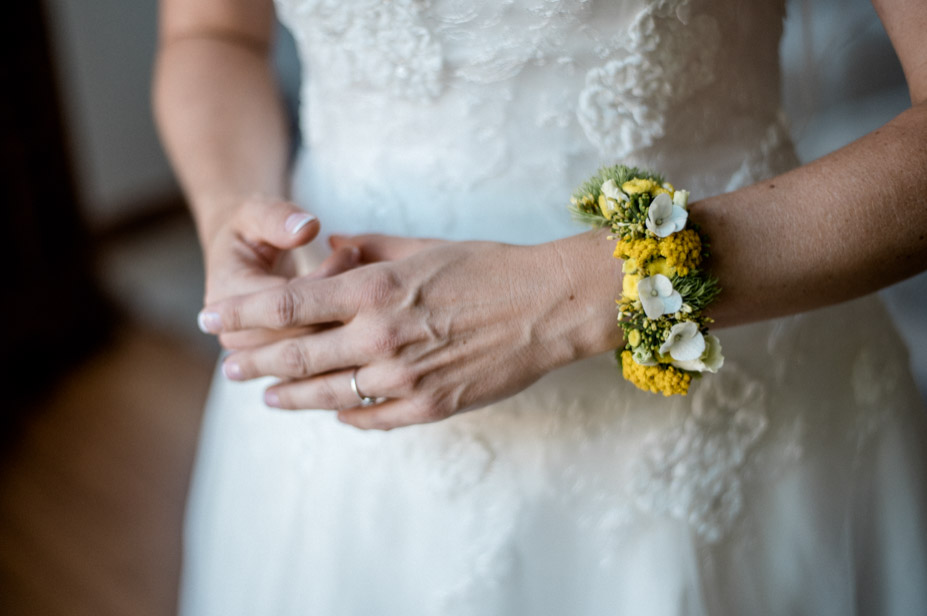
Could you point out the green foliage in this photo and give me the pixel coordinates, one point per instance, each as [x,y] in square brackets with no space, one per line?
[619,173]
[592,218]
[697,290]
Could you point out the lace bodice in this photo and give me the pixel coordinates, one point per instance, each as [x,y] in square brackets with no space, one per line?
[409,101]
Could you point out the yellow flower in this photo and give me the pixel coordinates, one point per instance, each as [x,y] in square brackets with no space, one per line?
[634,338]
[629,266]
[659,190]
[638,185]
[629,286]
[682,251]
[604,207]
[660,266]
[659,379]
[641,251]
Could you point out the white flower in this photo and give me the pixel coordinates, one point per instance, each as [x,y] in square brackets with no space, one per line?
[681,198]
[657,296]
[610,189]
[664,218]
[613,196]
[684,343]
[642,356]
[711,359]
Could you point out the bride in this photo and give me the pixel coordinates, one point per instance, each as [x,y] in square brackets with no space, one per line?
[791,482]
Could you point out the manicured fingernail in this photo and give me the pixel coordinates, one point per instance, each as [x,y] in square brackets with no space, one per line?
[271,399]
[232,370]
[296,222]
[209,322]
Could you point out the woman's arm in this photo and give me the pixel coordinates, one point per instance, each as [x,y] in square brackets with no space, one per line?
[217,105]
[439,328]
[840,227]
[223,125]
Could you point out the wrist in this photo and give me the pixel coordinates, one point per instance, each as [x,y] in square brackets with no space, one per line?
[215,212]
[579,314]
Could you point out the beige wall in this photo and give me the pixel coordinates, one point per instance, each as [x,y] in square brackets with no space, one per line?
[104,51]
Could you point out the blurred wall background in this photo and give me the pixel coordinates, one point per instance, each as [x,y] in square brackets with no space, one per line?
[103,50]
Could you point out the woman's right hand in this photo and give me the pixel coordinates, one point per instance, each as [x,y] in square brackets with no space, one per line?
[252,250]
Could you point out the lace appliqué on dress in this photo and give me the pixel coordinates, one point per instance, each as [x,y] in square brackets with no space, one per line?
[668,56]
[693,471]
[381,45]
[772,154]
[875,380]
[459,469]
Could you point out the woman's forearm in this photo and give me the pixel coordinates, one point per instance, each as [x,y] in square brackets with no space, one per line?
[219,114]
[840,227]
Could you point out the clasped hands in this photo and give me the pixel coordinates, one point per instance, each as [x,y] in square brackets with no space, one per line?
[428,328]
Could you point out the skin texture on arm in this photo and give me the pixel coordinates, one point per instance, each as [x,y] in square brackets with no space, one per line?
[838,228]
[215,100]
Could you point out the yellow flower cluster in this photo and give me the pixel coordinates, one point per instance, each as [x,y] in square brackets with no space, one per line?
[660,379]
[643,185]
[639,185]
[682,251]
[641,251]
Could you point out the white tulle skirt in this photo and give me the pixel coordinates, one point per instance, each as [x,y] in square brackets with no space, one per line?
[793,482]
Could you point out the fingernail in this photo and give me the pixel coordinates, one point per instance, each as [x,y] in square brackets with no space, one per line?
[209,322]
[232,370]
[296,222]
[355,254]
[271,399]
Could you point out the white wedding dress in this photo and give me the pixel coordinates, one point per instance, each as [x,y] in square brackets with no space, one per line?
[792,482]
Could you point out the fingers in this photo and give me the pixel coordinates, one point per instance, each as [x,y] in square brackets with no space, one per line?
[376,247]
[341,260]
[330,391]
[391,414]
[333,391]
[298,303]
[280,224]
[304,301]
[295,358]
[255,338]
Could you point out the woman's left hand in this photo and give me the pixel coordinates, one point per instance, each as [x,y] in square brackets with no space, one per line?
[430,328]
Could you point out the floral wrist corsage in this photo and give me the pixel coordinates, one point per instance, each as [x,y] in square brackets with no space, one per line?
[664,290]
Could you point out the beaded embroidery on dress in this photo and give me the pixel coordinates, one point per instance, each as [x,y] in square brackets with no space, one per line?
[791,482]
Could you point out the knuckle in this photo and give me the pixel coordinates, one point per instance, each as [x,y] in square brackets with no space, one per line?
[285,307]
[380,287]
[384,341]
[430,410]
[295,361]
[328,397]
[405,379]
[232,317]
